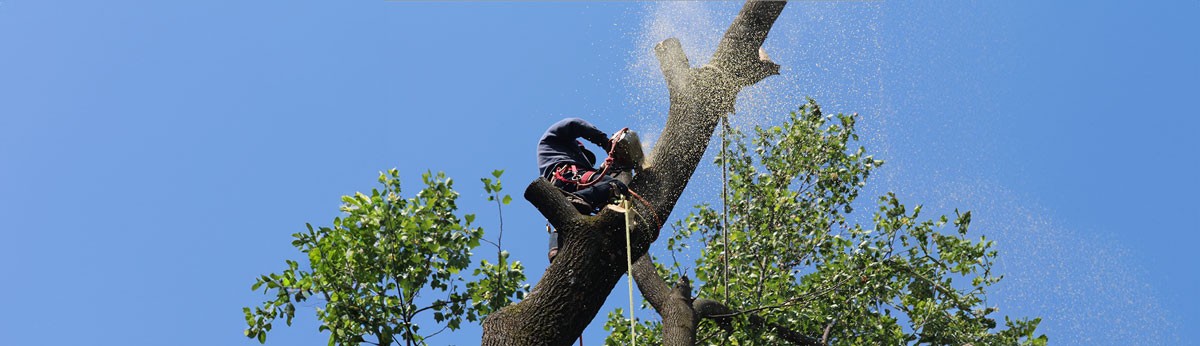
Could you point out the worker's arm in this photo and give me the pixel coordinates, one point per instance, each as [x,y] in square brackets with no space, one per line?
[572,128]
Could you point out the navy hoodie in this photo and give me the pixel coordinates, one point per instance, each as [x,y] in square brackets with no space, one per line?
[559,145]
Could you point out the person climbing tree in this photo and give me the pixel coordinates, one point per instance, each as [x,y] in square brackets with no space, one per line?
[566,163]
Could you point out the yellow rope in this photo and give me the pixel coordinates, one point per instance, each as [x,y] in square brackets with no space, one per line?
[725,204]
[629,267]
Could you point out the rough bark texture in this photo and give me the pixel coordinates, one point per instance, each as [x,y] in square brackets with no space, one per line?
[592,258]
[674,304]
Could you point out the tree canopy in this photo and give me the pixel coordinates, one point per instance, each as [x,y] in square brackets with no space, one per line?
[797,269]
[787,262]
[782,260]
[388,259]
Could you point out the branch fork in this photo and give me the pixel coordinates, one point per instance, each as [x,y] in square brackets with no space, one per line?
[592,260]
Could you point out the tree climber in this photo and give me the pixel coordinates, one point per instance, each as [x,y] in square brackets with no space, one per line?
[566,163]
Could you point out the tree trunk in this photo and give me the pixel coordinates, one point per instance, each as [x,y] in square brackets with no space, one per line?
[592,258]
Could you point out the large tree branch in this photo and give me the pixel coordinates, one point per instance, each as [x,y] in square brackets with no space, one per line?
[674,64]
[652,286]
[740,51]
[550,201]
[674,304]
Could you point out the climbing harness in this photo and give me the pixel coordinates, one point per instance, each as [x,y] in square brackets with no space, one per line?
[589,177]
[569,173]
[621,148]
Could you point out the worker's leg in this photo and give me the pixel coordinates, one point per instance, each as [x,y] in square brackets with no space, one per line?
[553,243]
[599,193]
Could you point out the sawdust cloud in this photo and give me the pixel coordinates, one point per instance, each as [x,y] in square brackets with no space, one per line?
[837,53]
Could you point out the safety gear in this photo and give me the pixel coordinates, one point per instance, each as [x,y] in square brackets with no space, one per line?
[625,150]
[570,174]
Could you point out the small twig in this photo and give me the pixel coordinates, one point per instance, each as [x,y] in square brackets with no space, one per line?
[437,332]
[825,334]
[485,240]
[500,214]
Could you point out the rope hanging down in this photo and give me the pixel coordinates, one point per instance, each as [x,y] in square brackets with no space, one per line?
[628,207]
[629,268]
[725,203]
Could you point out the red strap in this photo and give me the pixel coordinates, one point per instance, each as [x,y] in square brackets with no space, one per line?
[582,180]
[558,174]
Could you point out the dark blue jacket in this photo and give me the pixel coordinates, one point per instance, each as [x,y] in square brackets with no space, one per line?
[559,144]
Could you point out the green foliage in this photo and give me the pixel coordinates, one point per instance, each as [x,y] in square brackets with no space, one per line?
[647,332]
[795,260]
[386,260]
[498,281]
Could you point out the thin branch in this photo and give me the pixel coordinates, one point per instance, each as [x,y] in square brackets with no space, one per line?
[953,295]
[436,304]
[437,332]
[485,240]
[825,334]
[500,214]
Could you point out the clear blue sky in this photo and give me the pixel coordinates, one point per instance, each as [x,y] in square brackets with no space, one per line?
[156,156]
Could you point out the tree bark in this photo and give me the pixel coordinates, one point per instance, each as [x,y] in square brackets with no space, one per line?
[592,258]
[674,304]
[681,314]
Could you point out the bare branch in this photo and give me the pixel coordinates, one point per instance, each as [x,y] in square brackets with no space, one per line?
[652,286]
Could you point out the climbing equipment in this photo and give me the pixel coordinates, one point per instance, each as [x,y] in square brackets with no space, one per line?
[624,151]
[629,269]
[725,202]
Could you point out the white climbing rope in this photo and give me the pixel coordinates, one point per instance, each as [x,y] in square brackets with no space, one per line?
[725,204]
[629,267]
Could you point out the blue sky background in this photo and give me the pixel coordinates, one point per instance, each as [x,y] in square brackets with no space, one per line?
[156,156]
